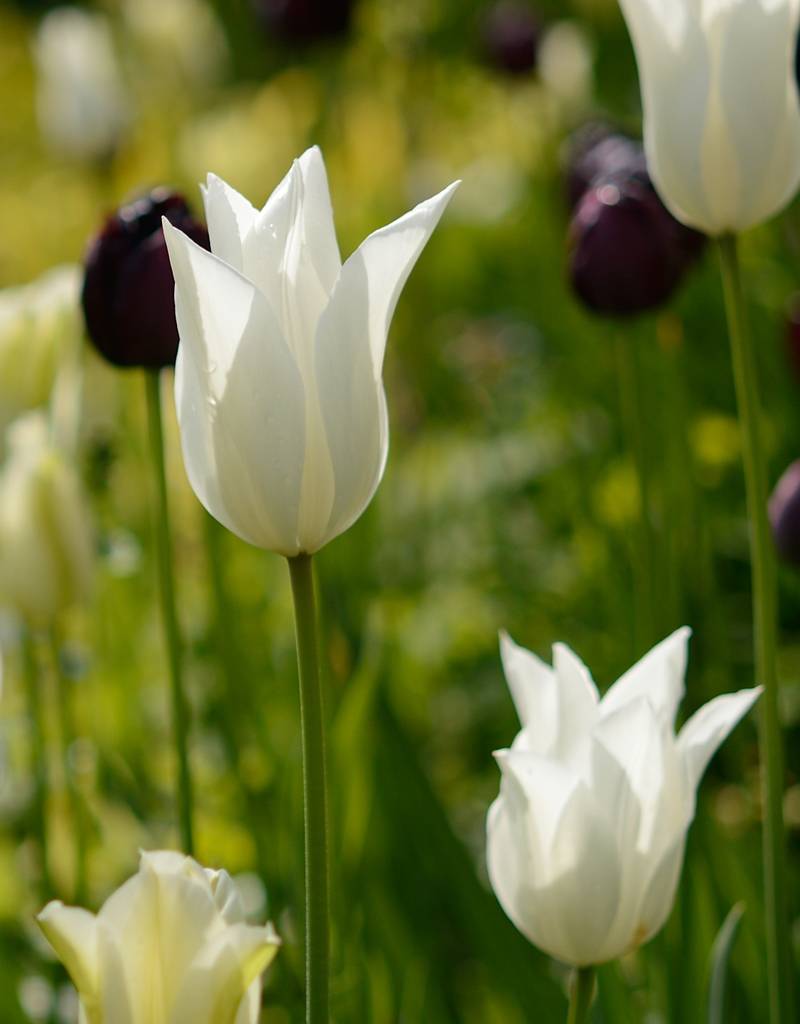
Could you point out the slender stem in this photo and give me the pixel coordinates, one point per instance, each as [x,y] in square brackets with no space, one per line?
[765,637]
[67,728]
[180,716]
[39,772]
[581,994]
[635,425]
[314,792]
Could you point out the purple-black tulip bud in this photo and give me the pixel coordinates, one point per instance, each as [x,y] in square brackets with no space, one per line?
[628,252]
[128,291]
[784,514]
[305,21]
[511,36]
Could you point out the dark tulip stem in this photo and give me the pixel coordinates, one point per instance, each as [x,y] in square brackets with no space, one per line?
[765,601]
[314,792]
[581,994]
[180,715]
[67,729]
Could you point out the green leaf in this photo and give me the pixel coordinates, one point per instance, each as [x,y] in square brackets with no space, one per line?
[720,955]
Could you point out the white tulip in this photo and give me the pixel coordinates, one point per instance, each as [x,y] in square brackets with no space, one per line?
[586,839]
[170,946]
[82,103]
[278,383]
[721,111]
[46,543]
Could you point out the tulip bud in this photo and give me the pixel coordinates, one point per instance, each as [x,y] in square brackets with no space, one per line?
[38,322]
[128,292]
[628,253]
[784,514]
[170,946]
[305,21]
[511,36]
[46,545]
[82,106]
[585,841]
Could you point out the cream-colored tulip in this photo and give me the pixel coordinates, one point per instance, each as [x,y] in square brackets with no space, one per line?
[40,323]
[586,839]
[170,946]
[721,110]
[46,542]
[82,103]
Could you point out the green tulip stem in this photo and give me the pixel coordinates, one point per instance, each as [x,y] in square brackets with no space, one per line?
[635,422]
[180,715]
[581,994]
[33,697]
[314,792]
[764,588]
[67,729]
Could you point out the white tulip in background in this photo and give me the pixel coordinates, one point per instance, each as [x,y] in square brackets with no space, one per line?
[40,323]
[721,113]
[586,839]
[170,946]
[278,385]
[82,103]
[46,544]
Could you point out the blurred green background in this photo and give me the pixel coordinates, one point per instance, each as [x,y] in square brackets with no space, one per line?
[510,500]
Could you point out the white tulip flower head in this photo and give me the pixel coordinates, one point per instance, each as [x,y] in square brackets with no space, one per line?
[721,109]
[170,946]
[278,383]
[586,839]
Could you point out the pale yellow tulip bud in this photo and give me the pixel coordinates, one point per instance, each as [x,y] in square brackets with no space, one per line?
[170,946]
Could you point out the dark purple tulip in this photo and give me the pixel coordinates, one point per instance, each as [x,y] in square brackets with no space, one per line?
[628,253]
[784,514]
[305,21]
[128,291]
[511,35]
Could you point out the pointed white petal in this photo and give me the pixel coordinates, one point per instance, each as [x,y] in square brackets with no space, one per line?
[373,277]
[348,355]
[229,216]
[577,698]
[319,230]
[240,400]
[658,676]
[72,933]
[707,728]
[533,687]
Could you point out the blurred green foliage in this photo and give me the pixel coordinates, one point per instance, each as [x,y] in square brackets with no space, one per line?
[510,500]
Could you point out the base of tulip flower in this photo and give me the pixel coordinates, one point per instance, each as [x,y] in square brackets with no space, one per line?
[765,599]
[314,793]
[581,994]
